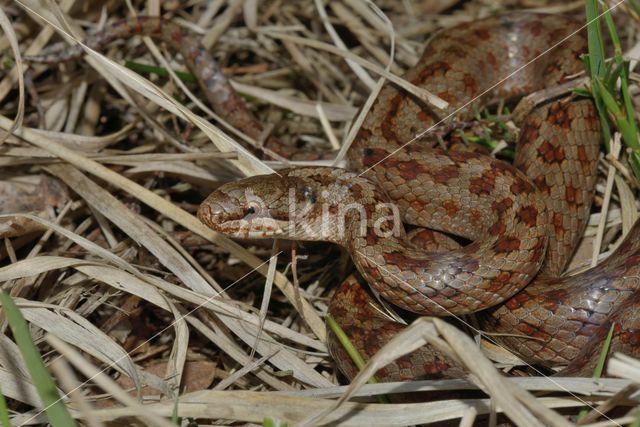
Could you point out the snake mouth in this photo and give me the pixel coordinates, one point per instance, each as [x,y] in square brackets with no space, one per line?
[240,224]
[256,228]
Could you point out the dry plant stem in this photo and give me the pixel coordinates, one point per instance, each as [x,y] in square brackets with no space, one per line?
[229,127]
[119,76]
[529,102]
[518,404]
[187,256]
[266,295]
[469,418]
[106,383]
[16,385]
[73,388]
[222,23]
[623,170]
[242,372]
[419,92]
[251,407]
[619,398]
[217,88]
[294,274]
[10,251]
[7,84]
[23,285]
[617,422]
[366,38]
[616,146]
[353,131]
[237,353]
[132,225]
[179,347]
[603,387]
[333,111]
[243,324]
[181,217]
[623,366]
[7,28]
[357,68]
[629,211]
[524,409]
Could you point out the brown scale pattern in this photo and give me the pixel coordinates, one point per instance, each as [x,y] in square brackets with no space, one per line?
[512,213]
[371,330]
[520,217]
[564,315]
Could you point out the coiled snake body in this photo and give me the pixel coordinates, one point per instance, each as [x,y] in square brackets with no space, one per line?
[524,219]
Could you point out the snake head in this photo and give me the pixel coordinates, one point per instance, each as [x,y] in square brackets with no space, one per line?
[293,204]
[254,207]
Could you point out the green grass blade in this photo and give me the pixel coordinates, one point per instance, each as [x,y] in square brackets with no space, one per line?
[174,413]
[594,34]
[581,91]
[634,161]
[56,411]
[272,422]
[613,76]
[353,353]
[4,411]
[608,99]
[595,62]
[626,97]
[604,85]
[599,369]
[615,40]
[626,127]
[602,114]
[623,67]
[159,71]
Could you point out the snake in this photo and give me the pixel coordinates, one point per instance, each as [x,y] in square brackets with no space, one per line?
[524,220]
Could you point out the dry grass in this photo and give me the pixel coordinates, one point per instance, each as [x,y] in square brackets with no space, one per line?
[123,284]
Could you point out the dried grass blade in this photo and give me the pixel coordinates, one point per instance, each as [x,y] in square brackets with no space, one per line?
[54,406]
[106,383]
[247,163]
[521,406]
[76,330]
[252,407]
[334,112]
[183,218]
[15,386]
[118,213]
[357,69]
[627,204]
[421,93]
[6,26]
[178,355]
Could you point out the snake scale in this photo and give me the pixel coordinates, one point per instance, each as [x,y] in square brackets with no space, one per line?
[524,220]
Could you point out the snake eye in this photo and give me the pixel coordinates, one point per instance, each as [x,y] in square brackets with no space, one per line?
[251,209]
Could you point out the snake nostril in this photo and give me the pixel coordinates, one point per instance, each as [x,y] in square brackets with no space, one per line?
[210,213]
